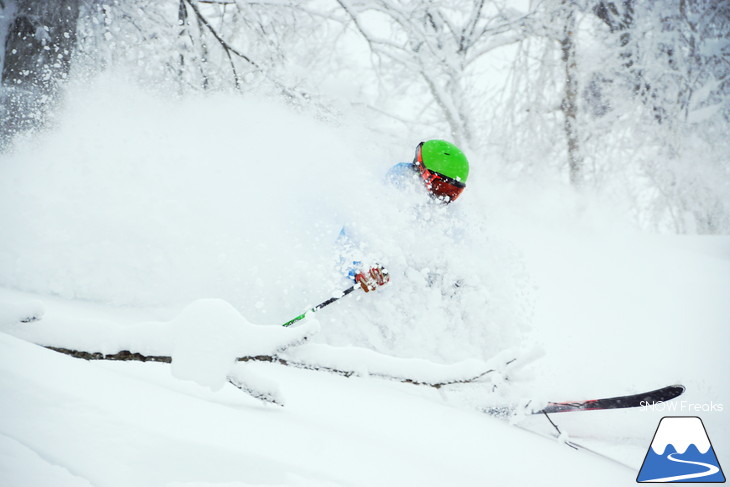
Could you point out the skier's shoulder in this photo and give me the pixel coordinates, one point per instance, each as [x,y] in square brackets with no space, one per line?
[399,173]
[401,168]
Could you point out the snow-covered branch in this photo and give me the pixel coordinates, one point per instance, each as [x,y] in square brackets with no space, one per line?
[344,361]
[439,43]
[210,343]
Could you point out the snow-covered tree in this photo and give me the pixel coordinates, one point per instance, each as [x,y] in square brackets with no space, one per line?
[640,93]
[193,45]
[539,108]
[664,74]
[436,44]
[37,47]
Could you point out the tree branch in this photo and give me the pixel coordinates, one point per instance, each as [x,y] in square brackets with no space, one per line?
[126,355]
[222,42]
[226,47]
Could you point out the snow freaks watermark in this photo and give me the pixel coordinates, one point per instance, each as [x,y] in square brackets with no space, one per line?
[681,452]
[682,407]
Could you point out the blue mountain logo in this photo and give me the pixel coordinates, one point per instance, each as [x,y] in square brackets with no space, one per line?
[681,452]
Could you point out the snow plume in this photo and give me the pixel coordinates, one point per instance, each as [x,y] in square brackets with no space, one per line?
[456,290]
[139,199]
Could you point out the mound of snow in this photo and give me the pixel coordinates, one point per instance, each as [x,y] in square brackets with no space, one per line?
[209,334]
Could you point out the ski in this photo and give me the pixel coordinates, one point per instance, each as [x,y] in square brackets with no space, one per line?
[619,402]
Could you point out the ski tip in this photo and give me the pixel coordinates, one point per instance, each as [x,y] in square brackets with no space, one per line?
[678,389]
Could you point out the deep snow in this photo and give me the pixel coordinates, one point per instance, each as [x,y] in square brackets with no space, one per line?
[115,223]
[116,424]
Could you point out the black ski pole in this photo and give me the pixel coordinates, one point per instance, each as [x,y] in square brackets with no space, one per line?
[323,304]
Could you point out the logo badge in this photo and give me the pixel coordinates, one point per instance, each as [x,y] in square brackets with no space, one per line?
[681,452]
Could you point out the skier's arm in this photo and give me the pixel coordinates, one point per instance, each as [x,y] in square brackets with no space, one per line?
[370,276]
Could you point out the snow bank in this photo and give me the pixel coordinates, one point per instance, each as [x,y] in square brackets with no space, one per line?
[114,424]
[21,465]
[204,339]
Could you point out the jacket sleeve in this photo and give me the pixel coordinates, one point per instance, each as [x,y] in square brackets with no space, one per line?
[352,254]
[349,261]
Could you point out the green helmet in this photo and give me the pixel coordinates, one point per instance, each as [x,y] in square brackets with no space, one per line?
[444,158]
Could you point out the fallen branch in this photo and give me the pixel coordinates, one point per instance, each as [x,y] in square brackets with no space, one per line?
[122,355]
[126,355]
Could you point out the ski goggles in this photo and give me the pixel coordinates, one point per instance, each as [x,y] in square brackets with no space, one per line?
[440,186]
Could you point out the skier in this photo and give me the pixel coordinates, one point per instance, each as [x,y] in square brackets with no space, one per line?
[438,166]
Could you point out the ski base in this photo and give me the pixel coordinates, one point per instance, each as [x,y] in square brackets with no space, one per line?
[617,402]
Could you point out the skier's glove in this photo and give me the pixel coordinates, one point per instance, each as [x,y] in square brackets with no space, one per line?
[371,279]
